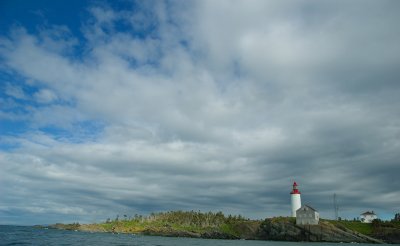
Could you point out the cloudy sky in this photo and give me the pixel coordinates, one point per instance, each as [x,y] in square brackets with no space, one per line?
[127,107]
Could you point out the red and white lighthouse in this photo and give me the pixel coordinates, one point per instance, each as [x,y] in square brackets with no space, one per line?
[296,199]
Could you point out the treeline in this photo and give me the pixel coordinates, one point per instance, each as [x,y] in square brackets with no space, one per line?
[184,218]
[378,224]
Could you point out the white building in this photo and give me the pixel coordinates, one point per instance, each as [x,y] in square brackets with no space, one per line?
[368,217]
[295,199]
[306,215]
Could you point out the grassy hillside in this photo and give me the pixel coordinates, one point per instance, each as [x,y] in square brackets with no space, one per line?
[181,223]
[357,226]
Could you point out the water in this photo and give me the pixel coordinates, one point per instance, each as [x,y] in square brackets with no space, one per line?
[25,235]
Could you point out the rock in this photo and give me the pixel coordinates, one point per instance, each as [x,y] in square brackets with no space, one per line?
[218,235]
[287,230]
[169,232]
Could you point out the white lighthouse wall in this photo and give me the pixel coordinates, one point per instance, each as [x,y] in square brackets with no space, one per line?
[296,203]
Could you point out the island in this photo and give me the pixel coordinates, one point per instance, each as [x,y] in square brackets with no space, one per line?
[219,226]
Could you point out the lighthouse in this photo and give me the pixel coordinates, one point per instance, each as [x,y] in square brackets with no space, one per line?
[296,200]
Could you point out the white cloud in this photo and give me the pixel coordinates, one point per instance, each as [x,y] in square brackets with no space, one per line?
[45,96]
[221,105]
[15,91]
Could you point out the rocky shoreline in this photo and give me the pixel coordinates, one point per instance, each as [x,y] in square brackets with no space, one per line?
[284,230]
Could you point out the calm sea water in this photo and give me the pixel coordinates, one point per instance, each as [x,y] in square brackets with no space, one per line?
[25,235]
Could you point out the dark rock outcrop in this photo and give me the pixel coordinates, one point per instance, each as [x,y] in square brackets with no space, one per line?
[168,232]
[389,235]
[218,235]
[287,230]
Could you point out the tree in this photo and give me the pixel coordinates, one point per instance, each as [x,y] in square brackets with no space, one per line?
[376,223]
[396,217]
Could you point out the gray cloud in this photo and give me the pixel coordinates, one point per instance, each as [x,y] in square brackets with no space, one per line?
[220,107]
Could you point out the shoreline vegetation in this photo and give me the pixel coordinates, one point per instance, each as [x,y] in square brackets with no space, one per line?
[219,226]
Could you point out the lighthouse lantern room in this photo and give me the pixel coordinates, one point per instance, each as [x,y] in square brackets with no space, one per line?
[296,200]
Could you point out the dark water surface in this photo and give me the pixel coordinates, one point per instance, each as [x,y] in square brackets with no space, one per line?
[25,235]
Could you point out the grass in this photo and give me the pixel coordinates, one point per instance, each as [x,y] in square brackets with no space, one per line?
[284,219]
[140,226]
[357,226]
[189,221]
[228,229]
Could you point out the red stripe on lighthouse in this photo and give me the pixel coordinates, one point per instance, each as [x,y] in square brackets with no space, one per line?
[295,190]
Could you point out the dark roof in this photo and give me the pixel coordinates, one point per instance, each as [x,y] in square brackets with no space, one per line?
[368,213]
[308,207]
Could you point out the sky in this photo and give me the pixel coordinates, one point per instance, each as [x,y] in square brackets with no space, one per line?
[131,107]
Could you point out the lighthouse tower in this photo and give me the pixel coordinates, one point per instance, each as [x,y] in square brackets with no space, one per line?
[296,200]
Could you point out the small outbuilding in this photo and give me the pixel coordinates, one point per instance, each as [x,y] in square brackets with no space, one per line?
[368,217]
[306,215]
